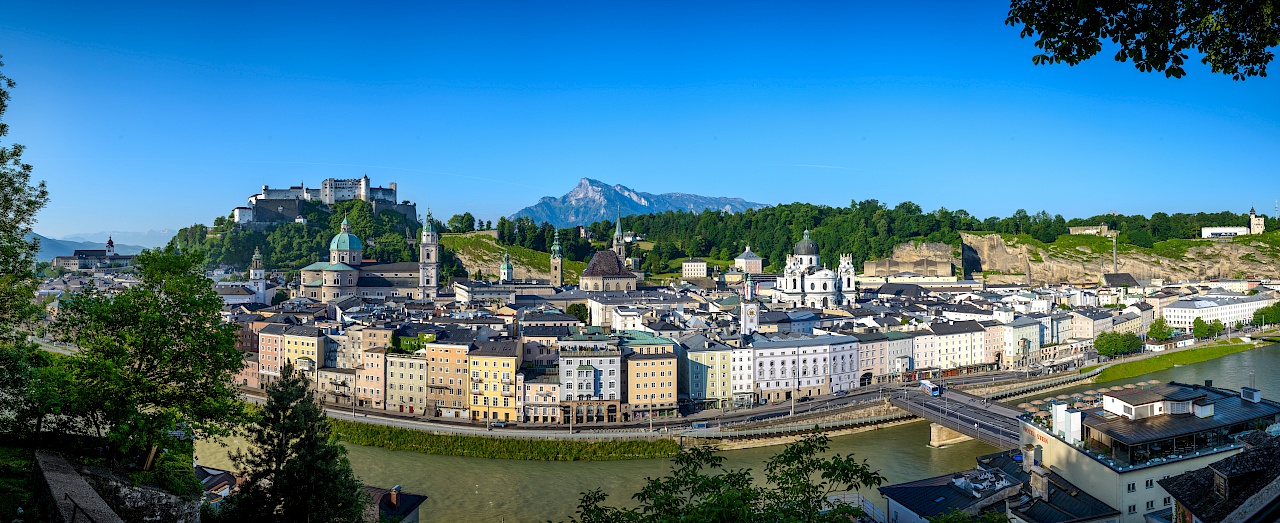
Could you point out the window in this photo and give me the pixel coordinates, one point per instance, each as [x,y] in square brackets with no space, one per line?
[1133,509]
[1133,487]
[1151,505]
[1166,501]
[1151,483]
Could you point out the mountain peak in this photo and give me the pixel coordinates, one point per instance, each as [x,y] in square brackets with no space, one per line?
[593,200]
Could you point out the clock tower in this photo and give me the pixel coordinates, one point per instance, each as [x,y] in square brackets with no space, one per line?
[750,317]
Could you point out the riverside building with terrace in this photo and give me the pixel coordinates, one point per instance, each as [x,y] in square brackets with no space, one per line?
[1118,452]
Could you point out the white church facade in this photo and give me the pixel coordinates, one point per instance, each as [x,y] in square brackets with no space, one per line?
[805,282]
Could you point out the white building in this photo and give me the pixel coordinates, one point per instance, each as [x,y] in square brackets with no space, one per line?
[1257,225]
[806,283]
[742,376]
[792,364]
[1182,314]
[957,344]
[693,268]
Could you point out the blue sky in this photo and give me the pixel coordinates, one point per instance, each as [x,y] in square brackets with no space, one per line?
[158,116]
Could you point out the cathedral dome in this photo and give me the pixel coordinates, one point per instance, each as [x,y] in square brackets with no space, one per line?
[345,241]
[806,247]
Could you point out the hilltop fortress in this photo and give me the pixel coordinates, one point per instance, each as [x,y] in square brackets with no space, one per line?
[273,206]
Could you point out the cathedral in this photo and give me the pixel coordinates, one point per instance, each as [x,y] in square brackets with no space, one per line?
[346,274]
[806,283]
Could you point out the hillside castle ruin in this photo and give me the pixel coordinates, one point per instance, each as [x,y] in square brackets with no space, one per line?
[273,206]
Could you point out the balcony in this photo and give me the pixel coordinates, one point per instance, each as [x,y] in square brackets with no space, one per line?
[475,391]
[476,379]
[506,381]
[508,393]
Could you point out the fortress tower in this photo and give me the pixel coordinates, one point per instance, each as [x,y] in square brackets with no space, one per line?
[1257,224]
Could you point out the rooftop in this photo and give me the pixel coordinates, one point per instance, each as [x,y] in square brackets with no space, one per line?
[1245,475]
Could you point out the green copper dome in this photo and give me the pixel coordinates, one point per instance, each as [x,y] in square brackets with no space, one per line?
[345,241]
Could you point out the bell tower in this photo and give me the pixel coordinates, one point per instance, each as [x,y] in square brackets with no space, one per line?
[429,259]
[557,263]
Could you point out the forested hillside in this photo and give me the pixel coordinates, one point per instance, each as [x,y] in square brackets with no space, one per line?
[867,229]
[295,245]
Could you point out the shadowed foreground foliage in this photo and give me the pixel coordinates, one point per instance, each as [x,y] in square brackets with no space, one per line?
[699,489]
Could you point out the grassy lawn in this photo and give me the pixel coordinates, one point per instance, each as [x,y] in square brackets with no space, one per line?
[396,438]
[16,477]
[1167,361]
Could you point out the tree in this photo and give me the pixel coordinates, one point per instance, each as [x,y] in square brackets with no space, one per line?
[157,355]
[19,203]
[580,311]
[1199,328]
[698,489]
[1114,343]
[295,470]
[1216,327]
[462,223]
[1234,38]
[1159,330]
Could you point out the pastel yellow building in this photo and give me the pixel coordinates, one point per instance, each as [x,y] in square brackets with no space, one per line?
[493,366]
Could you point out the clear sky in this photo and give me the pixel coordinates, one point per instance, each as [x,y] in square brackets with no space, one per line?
[160,116]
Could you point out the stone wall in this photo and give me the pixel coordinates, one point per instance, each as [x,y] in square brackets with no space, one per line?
[141,504]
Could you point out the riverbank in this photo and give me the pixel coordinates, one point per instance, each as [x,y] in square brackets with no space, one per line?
[1131,369]
[396,438]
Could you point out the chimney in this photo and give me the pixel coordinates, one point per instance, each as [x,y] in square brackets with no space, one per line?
[1028,457]
[395,496]
[1040,483]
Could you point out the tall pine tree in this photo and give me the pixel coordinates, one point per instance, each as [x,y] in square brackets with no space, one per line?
[295,469]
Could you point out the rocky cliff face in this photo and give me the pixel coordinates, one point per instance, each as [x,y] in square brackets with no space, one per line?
[1003,260]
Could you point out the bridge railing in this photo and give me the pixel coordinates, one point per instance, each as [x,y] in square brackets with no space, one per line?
[1040,385]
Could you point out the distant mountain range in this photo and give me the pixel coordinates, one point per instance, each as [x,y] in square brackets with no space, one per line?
[149,239]
[593,200]
[50,247]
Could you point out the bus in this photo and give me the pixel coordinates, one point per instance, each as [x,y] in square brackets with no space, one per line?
[929,387]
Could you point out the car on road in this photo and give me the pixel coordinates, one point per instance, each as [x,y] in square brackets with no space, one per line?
[498,424]
[803,399]
[839,393]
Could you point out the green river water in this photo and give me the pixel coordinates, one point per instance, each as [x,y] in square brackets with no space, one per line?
[474,489]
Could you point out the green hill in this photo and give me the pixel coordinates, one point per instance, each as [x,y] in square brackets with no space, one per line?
[480,251]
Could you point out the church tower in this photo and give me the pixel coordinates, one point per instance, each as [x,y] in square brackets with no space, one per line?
[258,278]
[429,259]
[111,247]
[557,263]
[1257,224]
[619,246]
[506,272]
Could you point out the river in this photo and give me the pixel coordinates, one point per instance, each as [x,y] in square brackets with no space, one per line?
[474,489]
